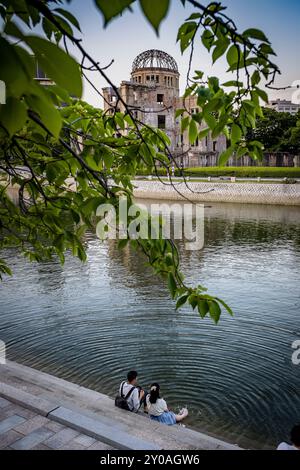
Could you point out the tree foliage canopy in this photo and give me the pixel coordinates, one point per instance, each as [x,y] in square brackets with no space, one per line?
[49,137]
[278,132]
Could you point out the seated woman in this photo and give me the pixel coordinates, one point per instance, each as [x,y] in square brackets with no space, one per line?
[158,409]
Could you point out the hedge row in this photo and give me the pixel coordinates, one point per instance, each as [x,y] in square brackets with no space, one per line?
[246,172]
[240,172]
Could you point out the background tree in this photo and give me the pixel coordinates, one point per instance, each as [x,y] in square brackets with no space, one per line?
[275,130]
[43,144]
[294,140]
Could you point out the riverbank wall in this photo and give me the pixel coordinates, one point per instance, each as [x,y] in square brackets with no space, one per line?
[248,193]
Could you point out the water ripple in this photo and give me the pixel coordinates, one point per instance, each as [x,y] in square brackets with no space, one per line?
[91,323]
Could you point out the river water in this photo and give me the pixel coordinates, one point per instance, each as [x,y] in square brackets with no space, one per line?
[90,323]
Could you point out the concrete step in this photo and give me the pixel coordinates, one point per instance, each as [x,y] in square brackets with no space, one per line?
[89,425]
[87,408]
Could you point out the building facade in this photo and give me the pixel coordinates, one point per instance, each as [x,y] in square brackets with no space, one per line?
[284,106]
[152,94]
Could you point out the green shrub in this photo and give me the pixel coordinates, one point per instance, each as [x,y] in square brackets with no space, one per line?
[244,172]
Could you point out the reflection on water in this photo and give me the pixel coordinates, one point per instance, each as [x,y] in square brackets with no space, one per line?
[91,322]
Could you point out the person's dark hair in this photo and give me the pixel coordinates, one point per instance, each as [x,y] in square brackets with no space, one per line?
[154,393]
[295,435]
[132,375]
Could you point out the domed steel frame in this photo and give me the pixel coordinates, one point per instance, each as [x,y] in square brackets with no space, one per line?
[154,59]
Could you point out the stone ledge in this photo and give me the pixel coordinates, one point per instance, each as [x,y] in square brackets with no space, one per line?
[86,424]
[95,428]
[29,401]
[61,394]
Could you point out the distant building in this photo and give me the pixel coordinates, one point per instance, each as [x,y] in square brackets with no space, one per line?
[284,106]
[153,97]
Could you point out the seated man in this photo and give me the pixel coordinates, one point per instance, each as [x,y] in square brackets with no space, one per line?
[137,395]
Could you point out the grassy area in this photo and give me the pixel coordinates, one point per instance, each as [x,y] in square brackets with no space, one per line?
[239,172]
[204,180]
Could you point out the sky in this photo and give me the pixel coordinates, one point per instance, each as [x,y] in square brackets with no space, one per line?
[130,34]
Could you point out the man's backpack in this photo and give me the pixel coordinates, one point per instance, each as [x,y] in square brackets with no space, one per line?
[121,401]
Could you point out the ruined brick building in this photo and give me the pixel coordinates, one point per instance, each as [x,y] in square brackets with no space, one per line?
[153,95]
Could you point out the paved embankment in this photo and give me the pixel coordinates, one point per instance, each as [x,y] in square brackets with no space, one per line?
[23,429]
[90,414]
[249,193]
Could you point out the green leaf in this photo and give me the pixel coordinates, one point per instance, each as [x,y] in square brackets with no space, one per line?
[129,120]
[13,30]
[233,55]
[255,79]
[186,34]
[214,311]
[225,306]
[93,162]
[65,25]
[236,134]
[257,143]
[224,157]
[69,17]
[13,115]
[249,107]
[204,94]
[57,171]
[214,84]
[14,73]
[47,112]
[198,75]
[146,151]
[112,8]
[262,94]
[172,285]
[193,132]
[193,301]
[57,64]
[179,112]
[255,34]
[155,11]
[119,118]
[210,120]
[267,49]
[184,123]
[241,151]
[48,28]
[108,158]
[204,133]
[61,93]
[169,259]
[207,39]
[194,16]
[181,301]
[233,83]
[220,49]
[203,308]
[51,173]
[4,268]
